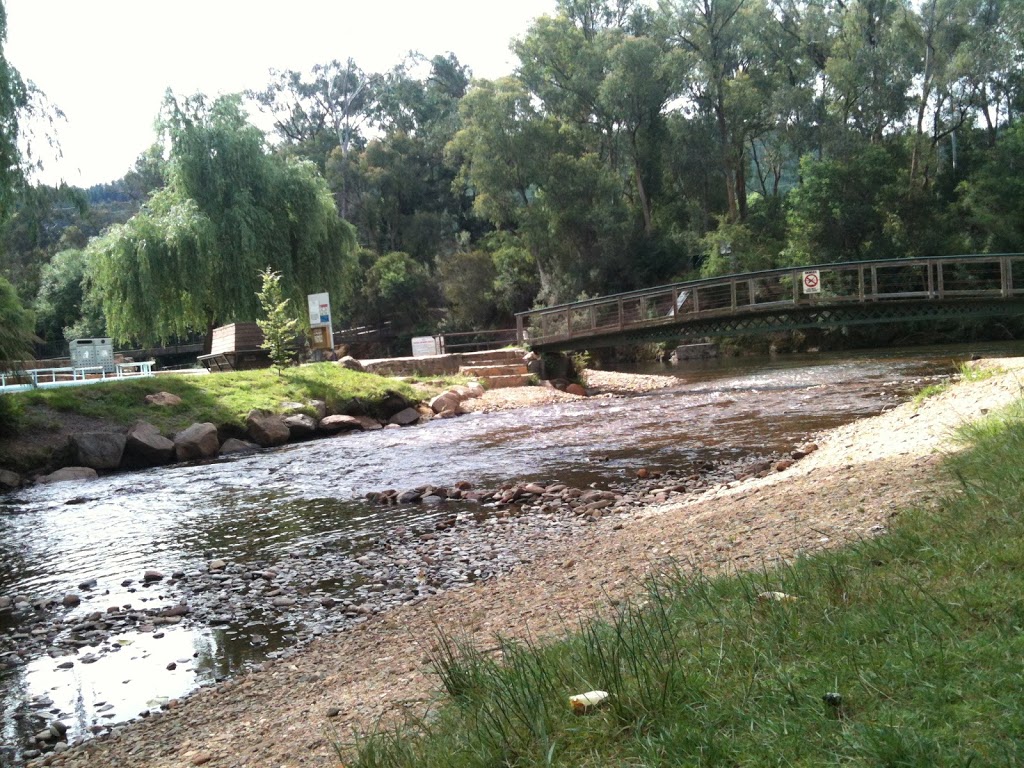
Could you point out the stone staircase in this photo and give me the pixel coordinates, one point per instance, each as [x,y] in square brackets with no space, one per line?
[497,368]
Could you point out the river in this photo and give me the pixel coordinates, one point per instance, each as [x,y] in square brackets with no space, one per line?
[299,542]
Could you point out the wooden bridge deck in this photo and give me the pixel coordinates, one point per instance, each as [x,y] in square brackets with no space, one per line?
[848,293]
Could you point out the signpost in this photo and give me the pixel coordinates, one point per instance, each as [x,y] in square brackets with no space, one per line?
[320,320]
[812,281]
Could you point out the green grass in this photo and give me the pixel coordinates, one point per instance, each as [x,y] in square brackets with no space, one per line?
[903,650]
[965,372]
[220,398]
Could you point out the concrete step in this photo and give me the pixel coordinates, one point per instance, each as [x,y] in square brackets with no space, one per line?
[493,357]
[508,380]
[486,371]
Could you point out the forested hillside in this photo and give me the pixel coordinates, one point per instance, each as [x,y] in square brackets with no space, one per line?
[634,144]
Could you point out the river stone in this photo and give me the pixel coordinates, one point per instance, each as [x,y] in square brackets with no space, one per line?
[71,600]
[146,447]
[267,429]
[332,424]
[368,423]
[197,442]
[99,450]
[300,426]
[476,389]
[69,473]
[576,389]
[446,401]
[9,480]
[163,399]
[405,417]
[234,445]
[351,363]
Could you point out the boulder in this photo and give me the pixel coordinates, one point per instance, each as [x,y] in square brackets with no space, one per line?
[69,473]
[319,407]
[393,403]
[267,429]
[576,389]
[234,445]
[163,398]
[338,423]
[559,384]
[146,447]
[351,363]
[446,401]
[300,426]
[196,442]
[405,417]
[99,450]
[368,423]
[9,480]
[476,389]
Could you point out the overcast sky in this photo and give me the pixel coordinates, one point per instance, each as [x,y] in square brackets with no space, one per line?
[107,63]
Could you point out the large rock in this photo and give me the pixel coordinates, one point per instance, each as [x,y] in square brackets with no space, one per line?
[146,447]
[405,417]
[267,429]
[446,401]
[300,426]
[9,480]
[163,398]
[69,473]
[339,423]
[197,442]
[368,423]
[351,363]
[393,403]
[99,450]
[234,445]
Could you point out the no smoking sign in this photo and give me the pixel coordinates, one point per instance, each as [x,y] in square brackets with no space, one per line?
[812,281]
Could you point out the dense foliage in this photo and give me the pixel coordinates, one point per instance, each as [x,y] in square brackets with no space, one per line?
[191,258]
[635,143]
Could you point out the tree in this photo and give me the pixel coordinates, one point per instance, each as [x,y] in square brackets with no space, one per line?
[15,322]
[61,302]
[191,257]
[278,324]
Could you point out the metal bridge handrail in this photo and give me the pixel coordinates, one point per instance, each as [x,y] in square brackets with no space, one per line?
[761,274]
[780,289]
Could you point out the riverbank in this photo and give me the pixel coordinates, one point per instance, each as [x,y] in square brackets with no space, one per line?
[288,713]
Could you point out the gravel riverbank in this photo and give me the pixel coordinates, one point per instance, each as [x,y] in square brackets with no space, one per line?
[289,712]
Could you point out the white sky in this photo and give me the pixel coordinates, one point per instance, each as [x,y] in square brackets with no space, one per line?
[107,63]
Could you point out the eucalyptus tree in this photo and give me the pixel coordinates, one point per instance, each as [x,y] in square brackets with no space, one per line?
[191,258]
[405,200]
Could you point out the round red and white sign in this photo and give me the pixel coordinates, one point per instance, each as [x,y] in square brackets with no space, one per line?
[812,281]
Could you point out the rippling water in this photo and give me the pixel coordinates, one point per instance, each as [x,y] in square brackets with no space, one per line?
[303,499]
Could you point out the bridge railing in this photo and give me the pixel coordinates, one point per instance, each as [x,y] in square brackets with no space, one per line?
[977,276]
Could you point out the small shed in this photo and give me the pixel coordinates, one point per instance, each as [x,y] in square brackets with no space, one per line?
[236,347]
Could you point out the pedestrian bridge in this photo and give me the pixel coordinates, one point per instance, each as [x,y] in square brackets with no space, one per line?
[961,287]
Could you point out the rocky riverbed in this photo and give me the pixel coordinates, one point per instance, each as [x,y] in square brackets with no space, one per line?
[522,573]
[470,535]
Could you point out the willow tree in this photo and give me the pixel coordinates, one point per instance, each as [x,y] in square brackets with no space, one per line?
[191,258]
[15,323]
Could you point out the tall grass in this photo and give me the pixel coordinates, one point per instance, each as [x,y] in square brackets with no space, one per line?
[902,650]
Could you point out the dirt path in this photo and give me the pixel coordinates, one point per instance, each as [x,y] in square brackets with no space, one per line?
[289,713]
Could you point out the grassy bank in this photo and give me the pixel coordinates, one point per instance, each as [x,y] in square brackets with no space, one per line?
[902,650]
[222,398]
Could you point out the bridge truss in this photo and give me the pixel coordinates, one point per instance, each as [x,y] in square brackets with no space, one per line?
[824,296]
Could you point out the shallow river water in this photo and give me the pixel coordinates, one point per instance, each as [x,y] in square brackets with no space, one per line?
[298,516]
